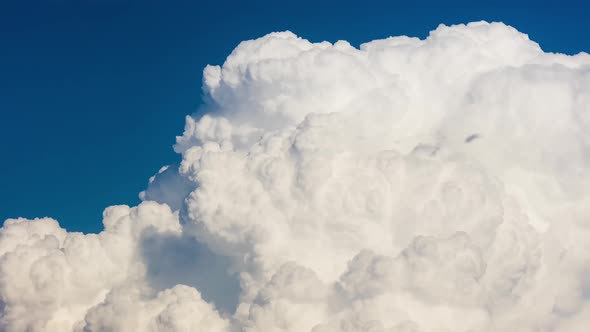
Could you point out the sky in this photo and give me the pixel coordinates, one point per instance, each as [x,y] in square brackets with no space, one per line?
[93,93]
[358,181]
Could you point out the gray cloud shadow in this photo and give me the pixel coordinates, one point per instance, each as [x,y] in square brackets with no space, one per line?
[173,259]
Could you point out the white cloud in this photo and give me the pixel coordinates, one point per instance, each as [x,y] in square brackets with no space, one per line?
[409,185]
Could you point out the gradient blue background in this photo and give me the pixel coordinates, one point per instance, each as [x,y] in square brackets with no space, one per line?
[93,93]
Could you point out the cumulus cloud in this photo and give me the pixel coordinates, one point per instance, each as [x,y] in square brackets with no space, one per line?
[406,185]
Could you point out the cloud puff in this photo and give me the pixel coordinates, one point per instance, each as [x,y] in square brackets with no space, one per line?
[406,185]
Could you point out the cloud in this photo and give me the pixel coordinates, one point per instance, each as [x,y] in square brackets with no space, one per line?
[406,185]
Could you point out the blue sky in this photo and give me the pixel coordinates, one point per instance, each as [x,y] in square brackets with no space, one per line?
[93,92]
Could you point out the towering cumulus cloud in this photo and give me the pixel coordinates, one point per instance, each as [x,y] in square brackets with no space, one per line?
[408,185]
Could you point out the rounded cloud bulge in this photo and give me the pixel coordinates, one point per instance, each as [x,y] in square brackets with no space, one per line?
[428,185]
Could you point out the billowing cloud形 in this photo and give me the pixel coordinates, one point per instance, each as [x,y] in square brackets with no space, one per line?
[407,185]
